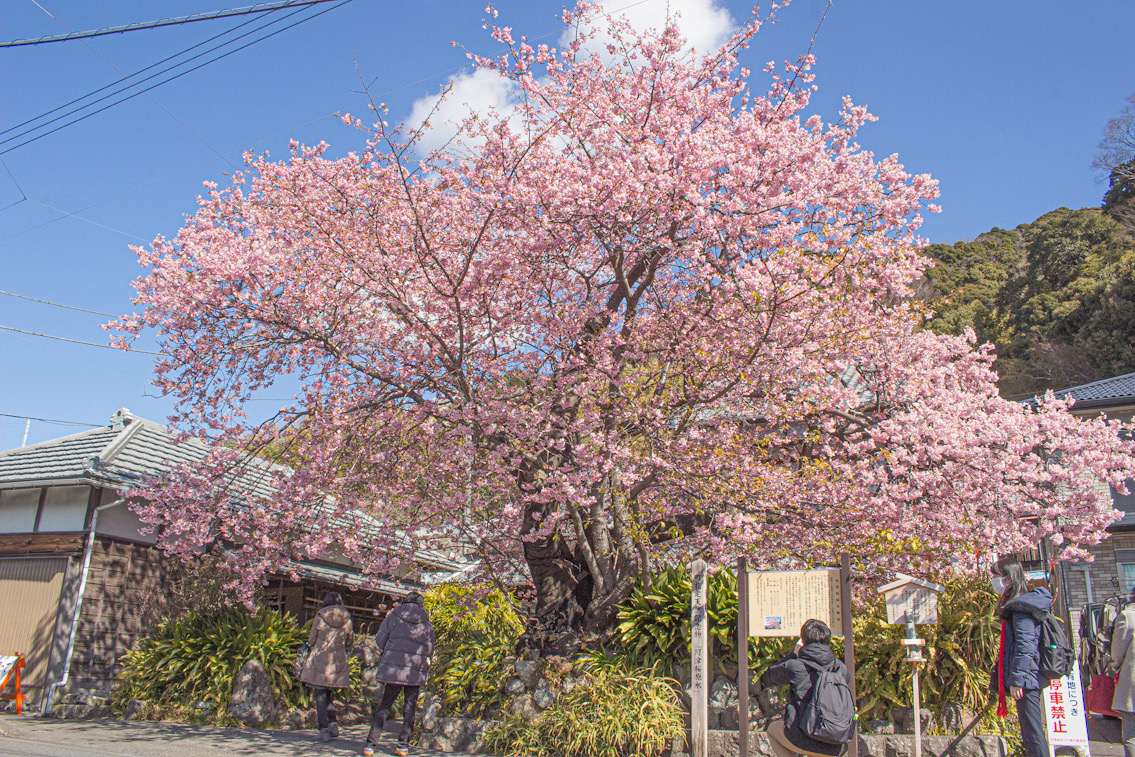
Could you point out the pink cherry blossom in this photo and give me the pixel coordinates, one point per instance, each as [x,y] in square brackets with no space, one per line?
[653,313]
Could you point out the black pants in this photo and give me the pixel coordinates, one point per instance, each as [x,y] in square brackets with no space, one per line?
[324,711]
[381,711]
[1031,717]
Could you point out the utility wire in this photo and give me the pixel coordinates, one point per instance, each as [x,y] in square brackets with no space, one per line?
[227,13]
[51,420]
[115,68]
[130,76]
[261,141]
[56,304]
[80,341]
[166,81]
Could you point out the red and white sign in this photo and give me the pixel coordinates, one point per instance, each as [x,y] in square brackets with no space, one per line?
[1064,712]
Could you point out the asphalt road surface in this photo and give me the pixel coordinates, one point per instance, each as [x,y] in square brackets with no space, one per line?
[45,737]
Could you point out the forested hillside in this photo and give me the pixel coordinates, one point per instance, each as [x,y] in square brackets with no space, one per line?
[1057,296]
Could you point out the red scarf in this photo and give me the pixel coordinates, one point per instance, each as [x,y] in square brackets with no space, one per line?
[1002,705]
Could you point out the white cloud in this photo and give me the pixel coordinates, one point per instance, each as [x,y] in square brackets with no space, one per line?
[704,24]
[478,92]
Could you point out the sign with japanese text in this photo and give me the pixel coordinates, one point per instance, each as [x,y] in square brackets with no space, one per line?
[781,600]
[1064,713]
[912,604]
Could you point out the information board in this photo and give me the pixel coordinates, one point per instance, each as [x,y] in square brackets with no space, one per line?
[781,600]
[912,604]
[1064,713]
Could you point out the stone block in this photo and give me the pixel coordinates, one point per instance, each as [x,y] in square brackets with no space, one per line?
[134,709]
[431,709]
[879,727]
[529,673]
[955,717]
[772,702]
[252,701]
[903,718]
[523,706]
[514,686]
[543,696]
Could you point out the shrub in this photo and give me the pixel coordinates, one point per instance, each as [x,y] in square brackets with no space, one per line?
[610,712]
[654,632]
[654,624]
[476,640]
[960,653]
[195,658]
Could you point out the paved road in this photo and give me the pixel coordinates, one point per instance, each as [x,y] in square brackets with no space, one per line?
[38,737]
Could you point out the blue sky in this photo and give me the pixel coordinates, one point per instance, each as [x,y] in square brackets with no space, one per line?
[1003,102]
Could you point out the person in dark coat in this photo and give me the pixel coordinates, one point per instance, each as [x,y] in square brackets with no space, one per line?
[1017,673]
[332,634]
[406,638]
[785,734]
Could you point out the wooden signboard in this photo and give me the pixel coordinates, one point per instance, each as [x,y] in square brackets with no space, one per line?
[780,601]
[10,667]
[911,600]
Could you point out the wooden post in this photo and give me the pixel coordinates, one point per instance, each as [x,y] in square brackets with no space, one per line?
[917,716]
[848,641]
[743,656]
[699,661]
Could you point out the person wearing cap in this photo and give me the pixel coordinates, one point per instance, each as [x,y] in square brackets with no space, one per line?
[406,638]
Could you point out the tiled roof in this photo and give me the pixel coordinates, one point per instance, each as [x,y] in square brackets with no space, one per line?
[69,457]
[132,449]
[1115,388]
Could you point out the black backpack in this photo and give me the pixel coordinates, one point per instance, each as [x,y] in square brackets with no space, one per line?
[1056,658]
[828,715]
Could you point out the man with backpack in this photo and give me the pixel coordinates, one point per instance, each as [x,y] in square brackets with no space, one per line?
[820,718]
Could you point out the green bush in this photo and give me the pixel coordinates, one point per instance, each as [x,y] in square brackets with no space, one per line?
[654,625]
[654,632]
[195,658]
[960,653]
[611,712]
[475,643]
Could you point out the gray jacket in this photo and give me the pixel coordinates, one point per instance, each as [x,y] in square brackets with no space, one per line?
[406,638]
[1123,660]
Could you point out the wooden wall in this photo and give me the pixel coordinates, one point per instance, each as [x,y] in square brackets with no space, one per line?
[127,592]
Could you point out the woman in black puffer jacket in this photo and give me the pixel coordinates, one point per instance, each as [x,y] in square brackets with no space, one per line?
[406,638]
[1017,674]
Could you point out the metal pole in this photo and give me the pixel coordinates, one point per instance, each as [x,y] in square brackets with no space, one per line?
[27,427]
[848,641]
[743,656]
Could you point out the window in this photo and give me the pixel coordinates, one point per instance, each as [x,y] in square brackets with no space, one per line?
[1125,561]
[65,509]
[17,510]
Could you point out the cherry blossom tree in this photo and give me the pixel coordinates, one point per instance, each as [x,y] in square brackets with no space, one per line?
[651,313]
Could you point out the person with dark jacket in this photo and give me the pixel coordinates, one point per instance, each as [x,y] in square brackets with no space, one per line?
[1017,673]
[332,634]
[785,735]
[406,638]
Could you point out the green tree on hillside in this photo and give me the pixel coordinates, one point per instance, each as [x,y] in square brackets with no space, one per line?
[1057,298]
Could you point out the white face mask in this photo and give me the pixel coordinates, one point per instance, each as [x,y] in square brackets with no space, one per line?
[999,584]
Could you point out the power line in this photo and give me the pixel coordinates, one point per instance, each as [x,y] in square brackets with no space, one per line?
[172,78]
[227,13]
[129,77]
[80,341]
[58,305]
[51,420]
[260,141]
